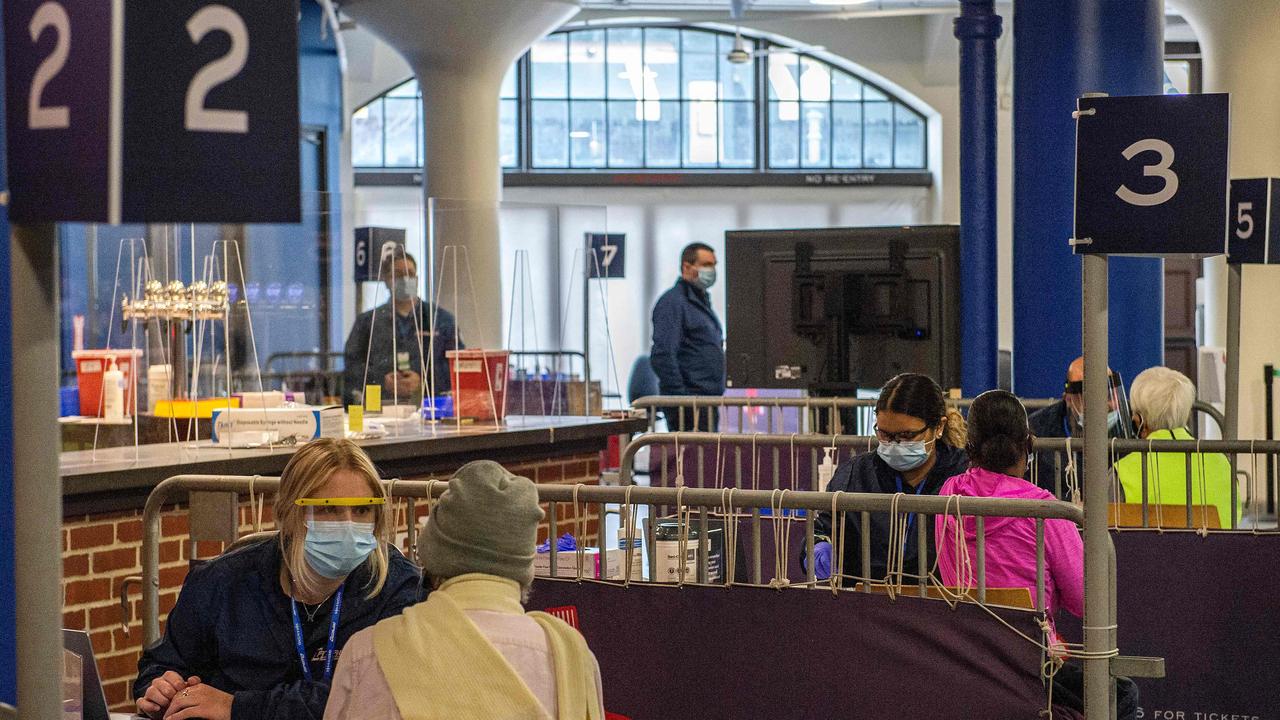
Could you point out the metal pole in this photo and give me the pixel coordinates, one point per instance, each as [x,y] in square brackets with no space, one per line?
[588,259]
[1268,380]
[37,487]
[1098,688]
[1231,403]
[977,29]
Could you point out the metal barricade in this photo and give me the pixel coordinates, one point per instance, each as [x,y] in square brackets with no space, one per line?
[696,505]
[1175,493]
[822,415]
[693,505]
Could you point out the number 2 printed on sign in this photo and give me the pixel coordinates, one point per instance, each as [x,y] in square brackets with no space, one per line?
[197,117]
[39,117]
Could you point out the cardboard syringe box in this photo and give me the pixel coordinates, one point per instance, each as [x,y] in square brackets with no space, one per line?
[277,424]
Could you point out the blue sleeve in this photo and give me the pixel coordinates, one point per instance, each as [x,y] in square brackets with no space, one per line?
[188,643]
[668,324]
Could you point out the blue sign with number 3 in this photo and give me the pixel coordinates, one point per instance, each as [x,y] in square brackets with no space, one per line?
[1151,175]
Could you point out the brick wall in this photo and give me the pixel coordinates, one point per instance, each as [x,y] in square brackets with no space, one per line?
[100,551]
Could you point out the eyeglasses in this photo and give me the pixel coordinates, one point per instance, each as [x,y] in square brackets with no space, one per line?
[889,437]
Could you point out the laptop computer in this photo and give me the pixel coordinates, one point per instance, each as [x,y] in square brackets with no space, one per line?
[95,701]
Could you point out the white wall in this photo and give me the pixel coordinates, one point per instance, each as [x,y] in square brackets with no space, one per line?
[914,56]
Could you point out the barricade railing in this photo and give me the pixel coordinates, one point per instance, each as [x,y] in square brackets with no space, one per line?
[1199,491]
[700,507]
[696,510]
[838,415]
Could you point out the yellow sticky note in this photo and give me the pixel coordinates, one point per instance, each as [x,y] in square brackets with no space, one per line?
[355,418]
[373,398]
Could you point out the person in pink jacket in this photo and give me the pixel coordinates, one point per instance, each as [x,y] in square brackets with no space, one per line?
[999,445]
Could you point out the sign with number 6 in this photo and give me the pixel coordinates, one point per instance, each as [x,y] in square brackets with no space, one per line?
[174,111]
[1151,175]
[1252,237]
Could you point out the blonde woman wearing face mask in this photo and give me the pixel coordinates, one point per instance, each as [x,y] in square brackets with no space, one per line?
[257,632]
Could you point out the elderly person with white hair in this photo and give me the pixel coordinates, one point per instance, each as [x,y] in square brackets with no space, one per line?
[1161,401]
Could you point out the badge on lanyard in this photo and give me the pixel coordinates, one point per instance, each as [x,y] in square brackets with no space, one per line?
[402,360]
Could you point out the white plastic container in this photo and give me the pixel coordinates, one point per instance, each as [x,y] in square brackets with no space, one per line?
[637,555]
[113,393]
[158,384]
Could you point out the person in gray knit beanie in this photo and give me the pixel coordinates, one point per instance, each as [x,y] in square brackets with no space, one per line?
[486,522]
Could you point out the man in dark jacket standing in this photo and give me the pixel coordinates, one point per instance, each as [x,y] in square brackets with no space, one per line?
[688,342]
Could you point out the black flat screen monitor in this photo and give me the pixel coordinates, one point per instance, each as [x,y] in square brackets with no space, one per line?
[835,309]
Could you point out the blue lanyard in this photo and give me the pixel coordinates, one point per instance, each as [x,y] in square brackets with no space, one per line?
[1066,427]
[333,636]
[911,517]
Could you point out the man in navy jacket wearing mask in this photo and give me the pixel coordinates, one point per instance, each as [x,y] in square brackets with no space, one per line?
[688,342]
[396,361]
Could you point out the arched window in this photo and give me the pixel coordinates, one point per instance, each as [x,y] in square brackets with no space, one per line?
[629,99]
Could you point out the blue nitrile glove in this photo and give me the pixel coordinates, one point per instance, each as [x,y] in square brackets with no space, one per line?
[822,560]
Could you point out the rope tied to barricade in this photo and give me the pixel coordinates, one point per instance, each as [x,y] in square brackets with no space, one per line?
[964,562]
[682,535]
[838,527]
[256,504]
[755,462]
[897,550]
[730,535]
[1072,474]
[1204,495]
[630,534]
[579,532]
[1152,462]
[781,538]
[719,475]
[679,462]
[394,525]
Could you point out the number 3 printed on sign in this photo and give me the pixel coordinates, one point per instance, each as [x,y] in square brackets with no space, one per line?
[1160,170]
[198,117]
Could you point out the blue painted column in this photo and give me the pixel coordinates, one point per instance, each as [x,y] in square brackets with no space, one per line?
[977,29]
[1064,49]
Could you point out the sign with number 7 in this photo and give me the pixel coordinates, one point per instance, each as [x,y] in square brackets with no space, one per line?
[1151,175]
[174,111]
[1252,237]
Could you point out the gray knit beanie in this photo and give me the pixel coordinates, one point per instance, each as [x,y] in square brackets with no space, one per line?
[486,522]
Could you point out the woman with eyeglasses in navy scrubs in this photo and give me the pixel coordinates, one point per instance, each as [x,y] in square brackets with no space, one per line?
[921,444]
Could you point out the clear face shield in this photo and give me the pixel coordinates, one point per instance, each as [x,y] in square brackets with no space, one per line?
[340,532]
[1118,424]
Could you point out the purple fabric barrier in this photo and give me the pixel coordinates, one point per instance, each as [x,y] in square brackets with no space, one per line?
[714,653]
[1211,607]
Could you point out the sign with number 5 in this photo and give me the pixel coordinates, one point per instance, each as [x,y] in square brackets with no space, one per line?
[174,111]
[1151,175]
[1252,237]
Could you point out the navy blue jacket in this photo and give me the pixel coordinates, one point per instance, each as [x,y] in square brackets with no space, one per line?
[408,333]
[868,473]
[233,627]
[688,343]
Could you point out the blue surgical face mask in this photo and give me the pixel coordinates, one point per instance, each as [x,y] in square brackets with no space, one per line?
[406,286]
[904,456]
[336,547]
[706,277]
[1113,420]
